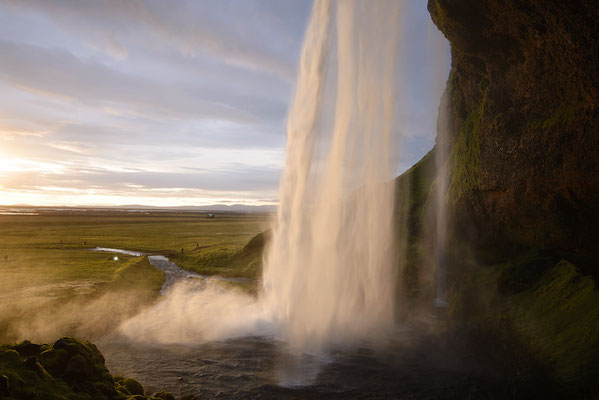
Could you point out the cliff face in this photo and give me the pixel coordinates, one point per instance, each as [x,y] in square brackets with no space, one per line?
[524,95]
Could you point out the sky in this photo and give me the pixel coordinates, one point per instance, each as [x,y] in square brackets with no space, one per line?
[167,103]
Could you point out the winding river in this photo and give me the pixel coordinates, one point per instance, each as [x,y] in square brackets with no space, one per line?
[173,273]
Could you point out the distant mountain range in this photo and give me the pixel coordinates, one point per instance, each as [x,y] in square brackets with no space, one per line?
[215,207]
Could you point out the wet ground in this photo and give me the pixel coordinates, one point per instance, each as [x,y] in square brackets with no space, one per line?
[420,362]
[257,368]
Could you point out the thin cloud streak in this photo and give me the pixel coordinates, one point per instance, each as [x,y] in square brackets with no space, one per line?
[190,26]
[60,75]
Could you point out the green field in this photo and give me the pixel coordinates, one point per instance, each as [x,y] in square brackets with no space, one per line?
[51,281]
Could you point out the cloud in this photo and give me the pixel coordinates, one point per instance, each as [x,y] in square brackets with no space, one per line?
[163,98]
[244,33]
[115,48]
[146,97]
[248,179]
[57,73]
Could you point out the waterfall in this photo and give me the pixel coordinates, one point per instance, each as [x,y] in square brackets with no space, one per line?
[330,266]
[438,51]
[328,274]
[440,204]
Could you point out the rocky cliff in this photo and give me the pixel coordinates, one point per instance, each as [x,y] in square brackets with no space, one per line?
[524,131]
[523,139]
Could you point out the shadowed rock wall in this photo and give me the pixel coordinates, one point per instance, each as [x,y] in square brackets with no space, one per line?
[524,91]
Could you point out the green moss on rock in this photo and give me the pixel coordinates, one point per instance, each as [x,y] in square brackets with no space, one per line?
[525,166]
[68,370]
[540,305]
[465,157]
[164,395]
[133,386]
[412,193]
[561,316]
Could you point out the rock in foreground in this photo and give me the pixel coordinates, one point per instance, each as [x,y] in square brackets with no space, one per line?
[69,369]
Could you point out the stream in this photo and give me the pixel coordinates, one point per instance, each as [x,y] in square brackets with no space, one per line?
[172,272]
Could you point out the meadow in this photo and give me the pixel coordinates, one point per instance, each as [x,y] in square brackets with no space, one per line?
[52,283]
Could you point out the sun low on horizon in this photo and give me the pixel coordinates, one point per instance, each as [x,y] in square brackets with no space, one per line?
[116,103]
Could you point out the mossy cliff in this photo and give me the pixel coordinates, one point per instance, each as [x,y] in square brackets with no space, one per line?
[523,197]
[524,106]
[414,190]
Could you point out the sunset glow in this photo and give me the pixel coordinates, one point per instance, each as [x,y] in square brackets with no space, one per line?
[184,108]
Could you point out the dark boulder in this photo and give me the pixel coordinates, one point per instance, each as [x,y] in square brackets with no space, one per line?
[70,369]
[164,396]
[133,386]
[4,385]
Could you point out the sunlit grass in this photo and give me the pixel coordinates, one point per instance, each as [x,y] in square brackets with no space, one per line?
[50,267]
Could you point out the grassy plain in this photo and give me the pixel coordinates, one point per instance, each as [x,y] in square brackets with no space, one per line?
[51,274]
[157,232]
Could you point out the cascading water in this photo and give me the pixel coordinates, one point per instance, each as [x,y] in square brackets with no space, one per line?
[439,51]
[328,274]
[441,186]
[329,271]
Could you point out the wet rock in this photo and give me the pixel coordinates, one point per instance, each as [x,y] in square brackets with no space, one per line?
[121,389]
[54,360]
[27,349]
[164,396]
[524,116]
[31,363]
[133,386]
[9,356]
[523,95]
[76,369]
[4,385]
[69,369]
[86,349]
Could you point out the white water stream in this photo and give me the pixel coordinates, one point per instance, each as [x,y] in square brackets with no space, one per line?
[120,251]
